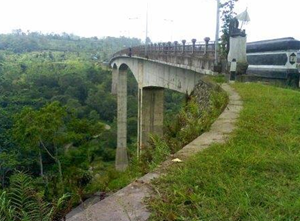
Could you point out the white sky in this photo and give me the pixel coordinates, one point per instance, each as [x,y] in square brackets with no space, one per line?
[191,18]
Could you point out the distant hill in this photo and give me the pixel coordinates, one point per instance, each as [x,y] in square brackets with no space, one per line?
[102,48]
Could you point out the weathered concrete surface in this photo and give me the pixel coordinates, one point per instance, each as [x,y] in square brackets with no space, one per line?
[149,73]
[121,154]
[153,113]
[128,203]
[124,205]
[238,48]
[114,84]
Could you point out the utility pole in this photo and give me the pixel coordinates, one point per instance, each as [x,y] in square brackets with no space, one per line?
[217,33]
[146,40]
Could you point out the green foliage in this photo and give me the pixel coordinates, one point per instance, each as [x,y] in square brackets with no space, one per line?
[6,211]
[160,151]
[21,202]
[218,79]
[8,162]
[58,117]
[21,42]
[34,126]
[193,121]
[76,180]
[35,79]
[42,130]
[253,176]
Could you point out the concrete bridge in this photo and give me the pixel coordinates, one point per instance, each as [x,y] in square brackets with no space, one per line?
[175,66]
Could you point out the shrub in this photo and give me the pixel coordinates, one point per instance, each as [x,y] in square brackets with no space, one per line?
[22,202]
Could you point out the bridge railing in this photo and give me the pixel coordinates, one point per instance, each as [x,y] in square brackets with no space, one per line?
[185,49]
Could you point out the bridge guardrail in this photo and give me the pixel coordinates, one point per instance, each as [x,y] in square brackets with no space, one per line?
[193,49]
[199,57]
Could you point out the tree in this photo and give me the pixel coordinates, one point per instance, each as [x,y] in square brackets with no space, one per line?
[42,131]
[104,103]
[50,129]
[26,134]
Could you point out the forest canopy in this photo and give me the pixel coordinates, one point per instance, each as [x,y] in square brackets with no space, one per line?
[58,116]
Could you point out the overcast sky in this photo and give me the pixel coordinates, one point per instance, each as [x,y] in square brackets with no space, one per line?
[168,20]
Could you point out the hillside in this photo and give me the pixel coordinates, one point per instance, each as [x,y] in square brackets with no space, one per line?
[254,176]
[98,49]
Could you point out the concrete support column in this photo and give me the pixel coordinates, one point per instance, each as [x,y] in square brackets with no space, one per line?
[114,82]
[121,154]
[153,113]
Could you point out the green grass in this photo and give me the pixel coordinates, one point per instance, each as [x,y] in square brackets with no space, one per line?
[254,176]
[218,78]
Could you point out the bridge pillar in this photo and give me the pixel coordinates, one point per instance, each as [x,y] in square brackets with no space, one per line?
[114,84]
[152,114]
[121,154]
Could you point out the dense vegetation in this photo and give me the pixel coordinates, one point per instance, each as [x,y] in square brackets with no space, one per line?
[58,118]
[254,176]
[58,124]
[97,49]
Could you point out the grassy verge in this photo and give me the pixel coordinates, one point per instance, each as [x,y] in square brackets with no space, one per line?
[254,176]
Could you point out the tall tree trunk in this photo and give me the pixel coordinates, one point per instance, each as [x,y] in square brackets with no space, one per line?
[55,158]
[2,177]
[60,170]
[41,163]
[59,164]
